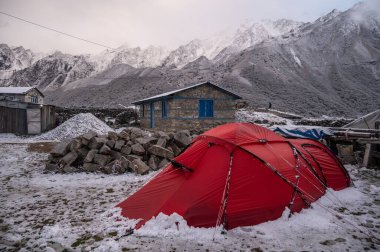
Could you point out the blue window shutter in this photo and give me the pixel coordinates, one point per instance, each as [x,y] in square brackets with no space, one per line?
[206,108]
[164,106]
[210,108]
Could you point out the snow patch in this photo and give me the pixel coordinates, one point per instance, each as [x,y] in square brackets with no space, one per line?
[76,126]
[297,60]
[243,115]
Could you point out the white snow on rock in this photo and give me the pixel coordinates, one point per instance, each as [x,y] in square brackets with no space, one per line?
[76,126]
[243,115]
[297,60]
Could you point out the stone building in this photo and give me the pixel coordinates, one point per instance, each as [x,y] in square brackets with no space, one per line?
[22,111]
[22,94]
[198,107]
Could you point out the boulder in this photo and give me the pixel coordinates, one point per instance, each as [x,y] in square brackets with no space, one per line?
[52,167]
[116,166]
[110,143]
[109,168]
[125,163]
[176,150]
[135,132]
[161,134]
[133,157]
[101,159]
[115,155]
[60,149]
[53,159]
[119,144]
[163,163]
[82,152]
[85,138]
[161,142]
[130,143]
[182,138]
[90,167]
[139,167]
[69,158]
[97,142]
[126,150]
[138,149]
[69,169]
[153,162]
[90,156]
[124,135]
[112,135]
[160,152]
[171,135]
[75,144]
[105,150]
[146,142]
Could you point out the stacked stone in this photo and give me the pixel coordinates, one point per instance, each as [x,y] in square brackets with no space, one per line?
[131,150]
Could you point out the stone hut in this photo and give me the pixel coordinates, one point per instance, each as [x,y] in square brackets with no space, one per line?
[22,94]
[198,107]
[22,111]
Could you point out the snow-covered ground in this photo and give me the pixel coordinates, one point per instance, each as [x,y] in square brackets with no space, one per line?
[50,212]
[262,118]
[75,126]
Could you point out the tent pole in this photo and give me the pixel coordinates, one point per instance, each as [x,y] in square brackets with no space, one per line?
[223,204]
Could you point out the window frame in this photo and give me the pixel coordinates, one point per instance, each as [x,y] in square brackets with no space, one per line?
[202,110]
[164,108]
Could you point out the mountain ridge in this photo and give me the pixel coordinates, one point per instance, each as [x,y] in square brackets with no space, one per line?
[329,66]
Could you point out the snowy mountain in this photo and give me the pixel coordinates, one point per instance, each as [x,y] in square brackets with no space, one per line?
[137,57]
[15,58]
[53,71]
[329,66]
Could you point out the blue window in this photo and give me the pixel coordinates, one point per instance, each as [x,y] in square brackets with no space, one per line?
[206,108]
[164,105]
[34,99]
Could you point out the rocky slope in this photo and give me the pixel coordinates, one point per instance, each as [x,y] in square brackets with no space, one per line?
[329,66]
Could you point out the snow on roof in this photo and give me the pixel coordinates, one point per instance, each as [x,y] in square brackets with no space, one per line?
[182,89]
[15,90]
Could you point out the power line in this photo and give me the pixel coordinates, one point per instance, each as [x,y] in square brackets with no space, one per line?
[51,29]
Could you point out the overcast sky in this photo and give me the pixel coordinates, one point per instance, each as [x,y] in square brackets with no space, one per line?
[141,22]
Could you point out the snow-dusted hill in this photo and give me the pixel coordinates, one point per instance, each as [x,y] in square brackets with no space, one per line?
[329,66]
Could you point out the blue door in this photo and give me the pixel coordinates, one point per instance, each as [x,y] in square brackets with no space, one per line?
[152,114]
[206,108]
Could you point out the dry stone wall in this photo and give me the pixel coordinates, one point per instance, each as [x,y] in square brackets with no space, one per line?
[131,150]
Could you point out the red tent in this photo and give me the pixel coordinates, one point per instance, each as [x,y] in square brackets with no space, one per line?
[238,174]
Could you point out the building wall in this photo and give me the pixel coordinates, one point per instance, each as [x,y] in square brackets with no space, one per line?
[24,97]
[183,110]
[28,96]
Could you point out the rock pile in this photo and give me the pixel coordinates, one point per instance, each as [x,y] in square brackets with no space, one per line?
[131,150]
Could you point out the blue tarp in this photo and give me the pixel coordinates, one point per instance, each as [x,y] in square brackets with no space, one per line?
[316,133]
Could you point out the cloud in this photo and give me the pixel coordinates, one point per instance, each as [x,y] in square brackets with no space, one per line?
[144,22]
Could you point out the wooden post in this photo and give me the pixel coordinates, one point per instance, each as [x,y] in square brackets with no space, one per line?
[367,154]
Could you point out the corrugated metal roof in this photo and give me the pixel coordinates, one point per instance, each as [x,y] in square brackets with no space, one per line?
[157,97]
[14,90]
[18,90]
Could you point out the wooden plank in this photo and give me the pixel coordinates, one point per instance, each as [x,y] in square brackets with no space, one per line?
[355,130]
[371,140]
[367,154]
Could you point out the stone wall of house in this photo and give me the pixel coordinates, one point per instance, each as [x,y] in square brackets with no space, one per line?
[28,96]
[183,110]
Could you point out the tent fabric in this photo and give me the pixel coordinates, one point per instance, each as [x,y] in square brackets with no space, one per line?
[242,175]
[316,133]
[365,122]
